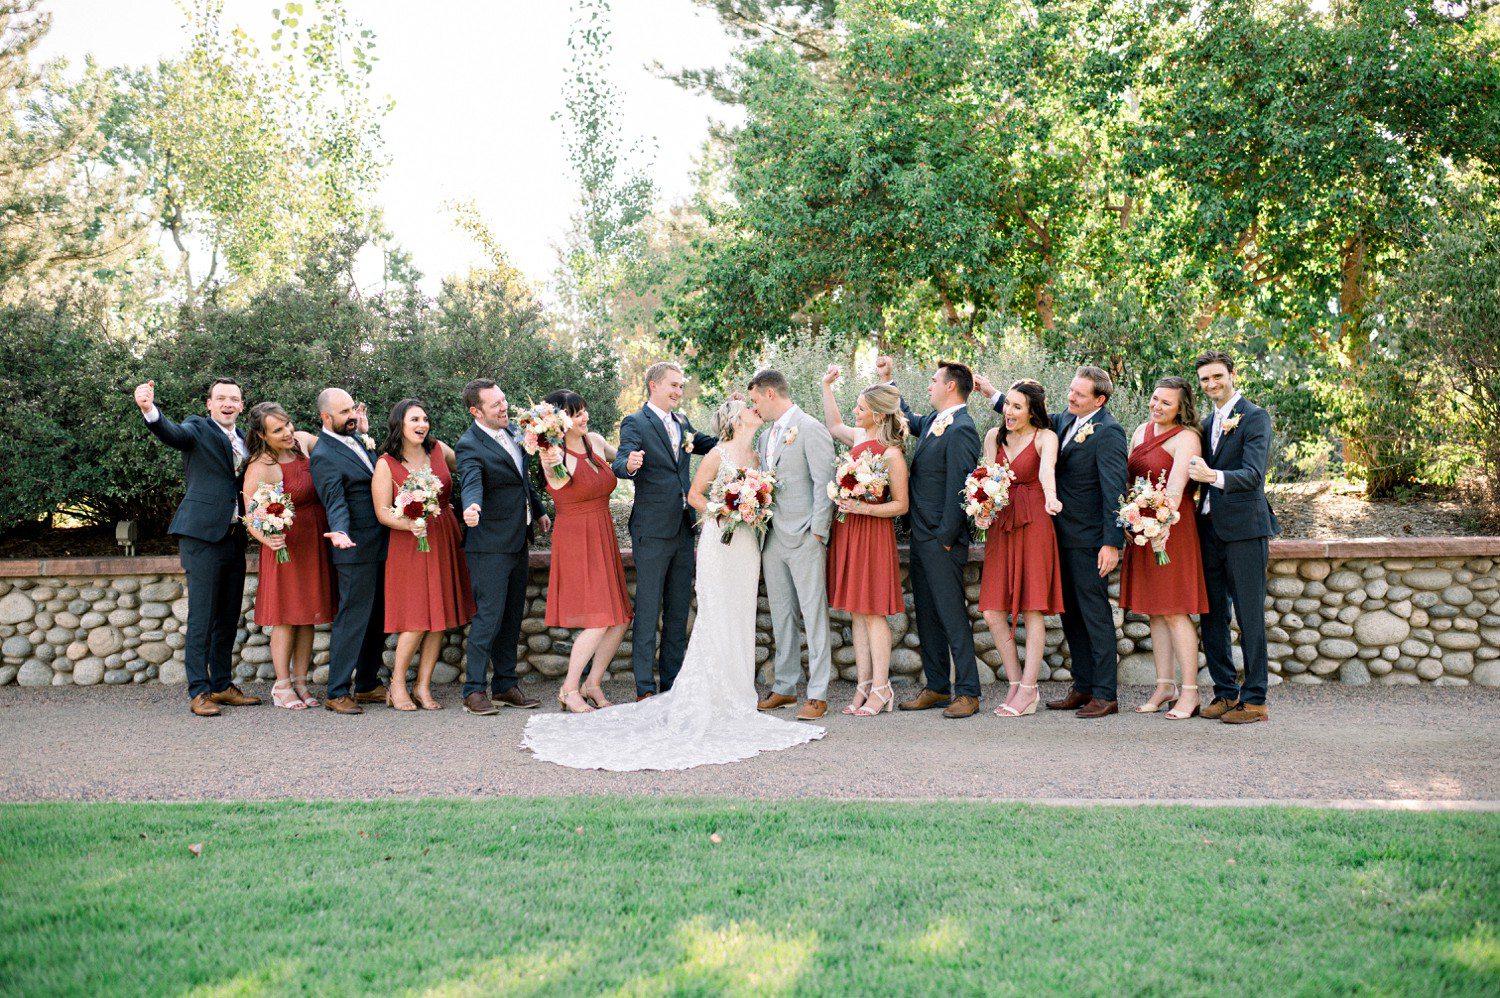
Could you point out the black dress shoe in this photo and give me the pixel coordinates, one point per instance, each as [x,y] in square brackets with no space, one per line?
[513,697]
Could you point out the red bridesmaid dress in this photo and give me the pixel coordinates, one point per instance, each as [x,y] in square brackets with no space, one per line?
[299,590]
[1176,587]
[1021,570]
[586,585]
[862,571]
[427,590]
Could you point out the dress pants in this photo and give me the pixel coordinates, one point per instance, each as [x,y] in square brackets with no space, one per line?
[499,582]
[943,630]
[664,569]
[1088,623]
[358,639]
[215,588]
[1234,573]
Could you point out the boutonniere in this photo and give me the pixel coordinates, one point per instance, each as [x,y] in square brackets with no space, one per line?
[367,440]
[942,423]
[1085,433]
[1231,424]
[790,438]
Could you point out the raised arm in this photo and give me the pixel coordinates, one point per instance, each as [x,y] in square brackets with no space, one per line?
[1188,446]
[832,418]
[1047,448]
[707,469]
[1257,446]
[632,451]
[164,429]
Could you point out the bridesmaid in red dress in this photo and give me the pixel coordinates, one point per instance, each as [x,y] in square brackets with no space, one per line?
[297,594]
[863,575]
[1169,593]
[1021,573]
[586,587]
[426,592]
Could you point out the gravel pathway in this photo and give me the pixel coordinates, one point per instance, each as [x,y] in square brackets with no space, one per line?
[1367,746]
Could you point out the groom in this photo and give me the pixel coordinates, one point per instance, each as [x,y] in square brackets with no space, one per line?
[947,450]
[656,443]
[798,449]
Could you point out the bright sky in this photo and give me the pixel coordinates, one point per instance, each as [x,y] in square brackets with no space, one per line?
[476,84]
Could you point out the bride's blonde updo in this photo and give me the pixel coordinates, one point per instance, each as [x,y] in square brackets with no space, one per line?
[726,419]
[885,402]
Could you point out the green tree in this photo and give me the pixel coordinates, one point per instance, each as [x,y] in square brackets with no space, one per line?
[63,214]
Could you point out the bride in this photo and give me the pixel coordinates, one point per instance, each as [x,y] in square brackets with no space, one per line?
[709,715]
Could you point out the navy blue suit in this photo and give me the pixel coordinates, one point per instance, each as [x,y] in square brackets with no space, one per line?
[1235,536]
[358,639]
[496,551]
[1091,478]
[661,536]
[211,546]
[940,548]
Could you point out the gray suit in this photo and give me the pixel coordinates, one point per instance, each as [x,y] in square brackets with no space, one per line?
[793,559]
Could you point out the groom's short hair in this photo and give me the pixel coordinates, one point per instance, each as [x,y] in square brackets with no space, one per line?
[1104,386]
[657,371]
[474,391]
[959,376]
[771,380]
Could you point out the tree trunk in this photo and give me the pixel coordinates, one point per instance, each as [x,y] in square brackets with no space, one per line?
[1352,298]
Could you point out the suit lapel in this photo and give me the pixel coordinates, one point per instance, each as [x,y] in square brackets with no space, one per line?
[340,448]
[494,445]
[661,431]
[1223,434]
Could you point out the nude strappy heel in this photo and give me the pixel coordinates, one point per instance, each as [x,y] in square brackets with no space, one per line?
[1006,710]
[861,687]
[1173,715]
[888,697]
[1149,708]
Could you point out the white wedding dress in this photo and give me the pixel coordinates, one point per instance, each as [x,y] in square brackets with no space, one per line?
[709,715]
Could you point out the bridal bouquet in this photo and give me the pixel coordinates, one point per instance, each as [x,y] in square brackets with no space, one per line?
[743,497]
[1147,515]
[271,512]
[861,479]
[421,496]
[544,426]
[986,491]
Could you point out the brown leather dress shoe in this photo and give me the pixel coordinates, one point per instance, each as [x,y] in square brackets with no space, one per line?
[232,696]
[343,705]
[1246,713]
[812,710]
[203,705]
[775,701]
[478,702]
[962,707]
[926,700]
[377,695]
[513,697]
[1218,708]
[643,696]
[1072,701]
[1097,707]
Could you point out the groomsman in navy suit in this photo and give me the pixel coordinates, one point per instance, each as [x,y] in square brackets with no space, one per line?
[210,542]
[947,450]
[343,463]
[1235,527]
[656,444]
[501,512]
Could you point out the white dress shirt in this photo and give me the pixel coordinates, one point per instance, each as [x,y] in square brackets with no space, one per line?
[1215,436]
[778,433]
[508,444]
[357,446]
[674,431]
[946,412]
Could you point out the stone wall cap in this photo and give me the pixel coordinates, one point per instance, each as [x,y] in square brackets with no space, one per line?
[1357,547]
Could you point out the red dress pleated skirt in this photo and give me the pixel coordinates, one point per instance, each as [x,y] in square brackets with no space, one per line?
[1176,587]
[427,590]
[1021,566]
[299,590]
[863,573]
[586,584]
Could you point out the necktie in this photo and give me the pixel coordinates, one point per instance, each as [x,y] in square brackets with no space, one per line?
[674,432]
[775,443]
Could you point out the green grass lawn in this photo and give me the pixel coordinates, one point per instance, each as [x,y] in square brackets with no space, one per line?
[631,896]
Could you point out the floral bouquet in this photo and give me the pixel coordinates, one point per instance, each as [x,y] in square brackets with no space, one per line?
[986,491]
[1147,515]
[421,496]
[543,426]
[743,497]
[271,512]
[866,478]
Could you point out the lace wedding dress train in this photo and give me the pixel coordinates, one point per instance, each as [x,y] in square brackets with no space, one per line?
[709,715]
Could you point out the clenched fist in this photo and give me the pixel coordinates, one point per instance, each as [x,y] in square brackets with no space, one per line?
[985,385]
[145,396]
[885,367]
[831,375]
[471,515]
[635,460]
